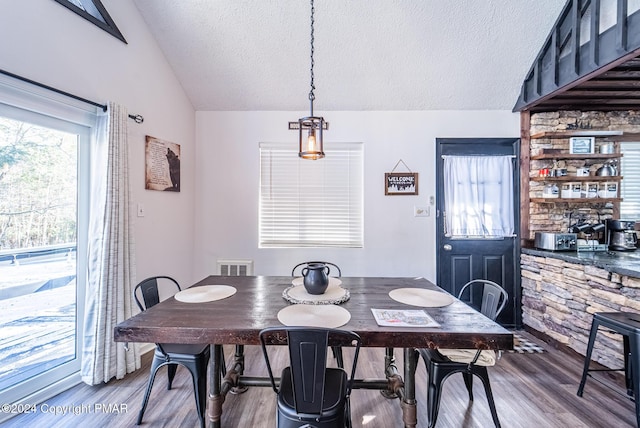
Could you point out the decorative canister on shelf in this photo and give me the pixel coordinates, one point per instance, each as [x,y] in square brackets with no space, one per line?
[550,191]
[576,190]
[602,190]
[582,172]
[606,148]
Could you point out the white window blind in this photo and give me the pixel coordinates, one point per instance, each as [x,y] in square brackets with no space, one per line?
[306,203]
[630,184]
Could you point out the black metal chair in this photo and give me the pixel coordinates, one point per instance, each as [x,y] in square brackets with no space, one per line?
[310,394]
[337,352]
[194,357]
[626,324]
[333,268]
[443,363]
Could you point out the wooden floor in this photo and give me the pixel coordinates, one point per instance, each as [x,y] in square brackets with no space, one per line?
[531,390]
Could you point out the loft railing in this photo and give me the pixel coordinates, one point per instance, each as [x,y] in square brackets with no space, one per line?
[588,38]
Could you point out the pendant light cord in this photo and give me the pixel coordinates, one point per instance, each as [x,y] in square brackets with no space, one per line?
[312,96]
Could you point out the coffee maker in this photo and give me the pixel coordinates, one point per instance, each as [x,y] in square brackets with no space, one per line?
[622,235]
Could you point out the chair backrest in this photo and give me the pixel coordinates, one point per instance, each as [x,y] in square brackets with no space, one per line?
[334,269]
[494,297]
[308,361]
[147,292]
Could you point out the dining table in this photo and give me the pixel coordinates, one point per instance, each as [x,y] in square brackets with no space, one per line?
[258,302]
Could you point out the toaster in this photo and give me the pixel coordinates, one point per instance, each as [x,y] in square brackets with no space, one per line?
[554,241]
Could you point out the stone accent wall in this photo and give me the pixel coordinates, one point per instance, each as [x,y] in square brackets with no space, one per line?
[554,217]
[559,299]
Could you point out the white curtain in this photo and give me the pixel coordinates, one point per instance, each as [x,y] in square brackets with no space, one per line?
[478,193]
[111,268]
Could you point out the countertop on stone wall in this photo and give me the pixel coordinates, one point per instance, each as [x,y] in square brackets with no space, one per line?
[620,262]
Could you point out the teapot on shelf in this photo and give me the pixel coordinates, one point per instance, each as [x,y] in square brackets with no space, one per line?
[315,278]
[606,170]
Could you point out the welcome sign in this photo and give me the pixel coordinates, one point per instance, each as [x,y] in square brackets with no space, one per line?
[401,183]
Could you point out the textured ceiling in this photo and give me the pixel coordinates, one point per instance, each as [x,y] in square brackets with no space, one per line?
[369,54]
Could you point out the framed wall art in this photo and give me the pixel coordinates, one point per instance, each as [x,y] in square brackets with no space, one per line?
[162,165]
[582,145]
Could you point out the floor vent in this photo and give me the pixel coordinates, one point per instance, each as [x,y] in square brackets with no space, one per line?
[235,267]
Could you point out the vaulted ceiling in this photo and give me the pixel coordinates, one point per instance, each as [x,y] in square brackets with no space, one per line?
[369,54]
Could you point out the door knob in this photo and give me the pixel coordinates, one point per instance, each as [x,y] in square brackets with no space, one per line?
[447,247]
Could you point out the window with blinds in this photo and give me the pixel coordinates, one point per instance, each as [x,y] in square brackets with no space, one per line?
[630,184]
[306,203]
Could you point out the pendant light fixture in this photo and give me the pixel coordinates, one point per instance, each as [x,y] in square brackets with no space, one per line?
[310,128]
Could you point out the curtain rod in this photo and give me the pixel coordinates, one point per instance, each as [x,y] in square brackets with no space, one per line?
[479,156]
[136,117]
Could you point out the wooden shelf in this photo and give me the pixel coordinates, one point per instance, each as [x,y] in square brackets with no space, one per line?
[557,153]
[575,200]
[607,135]
[576,133]
[556,156]
[568,178]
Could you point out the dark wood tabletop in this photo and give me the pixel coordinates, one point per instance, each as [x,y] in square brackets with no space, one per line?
[238,319]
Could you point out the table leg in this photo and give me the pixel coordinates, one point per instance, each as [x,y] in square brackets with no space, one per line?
[409,403]
[215,377]
[238,365]
[390,369]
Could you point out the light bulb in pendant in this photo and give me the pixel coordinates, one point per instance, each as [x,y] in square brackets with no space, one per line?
[311,141]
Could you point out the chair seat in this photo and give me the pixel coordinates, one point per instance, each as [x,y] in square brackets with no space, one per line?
[182,349]
[333,399]
[486,358]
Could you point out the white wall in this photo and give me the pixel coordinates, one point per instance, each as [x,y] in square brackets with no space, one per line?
[396,242]
[48,43]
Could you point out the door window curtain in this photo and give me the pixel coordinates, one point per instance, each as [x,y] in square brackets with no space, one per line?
[111,268]
[478,195]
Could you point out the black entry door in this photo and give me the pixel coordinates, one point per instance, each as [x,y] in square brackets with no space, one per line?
[461,259]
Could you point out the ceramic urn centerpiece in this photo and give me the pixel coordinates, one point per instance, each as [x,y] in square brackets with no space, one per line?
[315,278]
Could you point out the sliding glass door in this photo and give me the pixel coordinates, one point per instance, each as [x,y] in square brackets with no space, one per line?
[43,171]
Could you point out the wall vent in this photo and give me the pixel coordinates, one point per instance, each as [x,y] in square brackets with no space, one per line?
[228,267]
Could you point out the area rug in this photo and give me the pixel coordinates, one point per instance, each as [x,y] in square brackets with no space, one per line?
[523,346]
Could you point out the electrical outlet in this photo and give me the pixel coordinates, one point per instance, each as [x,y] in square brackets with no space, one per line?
[421,211]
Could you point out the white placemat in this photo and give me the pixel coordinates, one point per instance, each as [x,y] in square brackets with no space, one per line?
[421,297]
[330,316]
[332,281]
[332,296]
[205,293]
